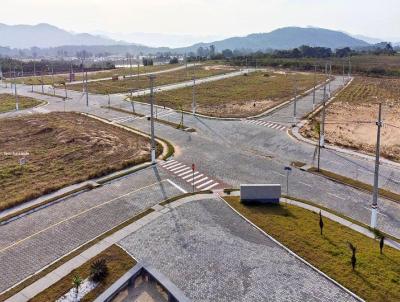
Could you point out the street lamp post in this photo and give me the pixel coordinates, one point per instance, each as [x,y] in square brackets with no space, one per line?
[287,169]
[153,145]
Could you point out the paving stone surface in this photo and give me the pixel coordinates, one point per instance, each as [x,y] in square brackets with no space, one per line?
[212,254]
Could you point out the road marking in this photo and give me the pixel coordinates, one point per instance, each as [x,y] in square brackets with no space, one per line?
[167,162]
[190,175]
[337,196]
[277,173]
[176,168]
[210,187]
[303,183]
[204,184]
[78,214]
[196,177]
[176,186]
[200,180]
[180,175]
[271,125]
[181,170]
[168,167]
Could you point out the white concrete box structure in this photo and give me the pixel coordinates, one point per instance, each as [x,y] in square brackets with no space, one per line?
[262,193]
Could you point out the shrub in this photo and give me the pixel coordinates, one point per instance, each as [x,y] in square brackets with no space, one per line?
[353,256]
[98,270]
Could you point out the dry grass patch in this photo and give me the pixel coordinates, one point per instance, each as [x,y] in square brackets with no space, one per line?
[376,277]
[7,102]
[118,263]
[239,96]
[181,75]
[61,149]
[350,119]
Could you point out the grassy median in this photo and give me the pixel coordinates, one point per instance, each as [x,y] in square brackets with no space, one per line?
[240,96]
[376,277]
[118,263]
[7,102]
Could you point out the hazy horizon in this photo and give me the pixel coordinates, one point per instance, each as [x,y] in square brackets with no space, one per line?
[217,18]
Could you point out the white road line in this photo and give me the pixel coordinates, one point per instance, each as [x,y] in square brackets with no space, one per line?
[263,123]
[176,186]
[190,175]
[184,173]
[274,126]
[277,173]
[172,165]
[212,186]
[177,168]
[192,179]
[167,162]
[204,184]
[200,180]
[303,183]
[181,170]
[334,195]
[269,124]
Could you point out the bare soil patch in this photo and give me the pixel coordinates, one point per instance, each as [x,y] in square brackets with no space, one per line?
[351,118]
[61,149]
[239,96]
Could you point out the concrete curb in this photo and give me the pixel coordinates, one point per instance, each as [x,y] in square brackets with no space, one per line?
[294,254]
[57,274]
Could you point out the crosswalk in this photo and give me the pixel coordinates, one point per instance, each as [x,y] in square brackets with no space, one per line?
[184,172]
[266,124]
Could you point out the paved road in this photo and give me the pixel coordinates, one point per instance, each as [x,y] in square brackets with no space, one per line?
[227,152]
[34,241]
[212,254]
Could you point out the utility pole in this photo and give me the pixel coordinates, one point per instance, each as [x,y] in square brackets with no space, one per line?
[349,73]
[295,102]
[330,75]
[194,96]
[52,79]
[86,89]
[343,75]
[322,130]
[315,84]
[319,147]
[153,145]
[187,74]
[41,79]
[16,95]
[374,210]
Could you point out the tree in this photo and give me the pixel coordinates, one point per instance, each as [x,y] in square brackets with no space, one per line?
[321,222]
[98,270]
[381,244]
[227,53]
[174,60]
[353,256]
[212,51]
[76,282]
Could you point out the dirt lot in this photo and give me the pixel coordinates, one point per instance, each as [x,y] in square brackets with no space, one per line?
[239,96]
[7,102]
[60,78]
[61,149]
[351,117]
[105,87]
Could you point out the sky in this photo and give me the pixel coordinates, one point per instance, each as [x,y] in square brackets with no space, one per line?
[223,18]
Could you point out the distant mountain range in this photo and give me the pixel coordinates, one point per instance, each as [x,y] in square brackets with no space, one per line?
[286,38]
[47,37]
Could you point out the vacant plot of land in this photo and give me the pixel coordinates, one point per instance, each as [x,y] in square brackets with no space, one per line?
[240,96]
[7,102]
[376,277]
[61,78]
[106,87]
[60,149]
[350,119]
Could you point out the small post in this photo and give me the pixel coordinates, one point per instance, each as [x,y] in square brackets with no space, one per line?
[153,146]
[86,89]
[194,96]
[287,169]
[16,96]
[374,212]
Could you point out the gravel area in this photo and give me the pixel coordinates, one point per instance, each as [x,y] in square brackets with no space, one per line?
[212,254]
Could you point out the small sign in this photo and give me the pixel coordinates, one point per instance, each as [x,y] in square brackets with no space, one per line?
[193,167]
[288,169]
[22,161]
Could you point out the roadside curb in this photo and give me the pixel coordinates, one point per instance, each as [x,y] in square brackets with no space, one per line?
[293,253]
[64,269]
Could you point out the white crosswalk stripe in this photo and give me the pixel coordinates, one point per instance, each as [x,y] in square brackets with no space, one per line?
[266,124]
[185,172]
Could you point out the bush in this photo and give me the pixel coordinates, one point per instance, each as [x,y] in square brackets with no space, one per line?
[98,270]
